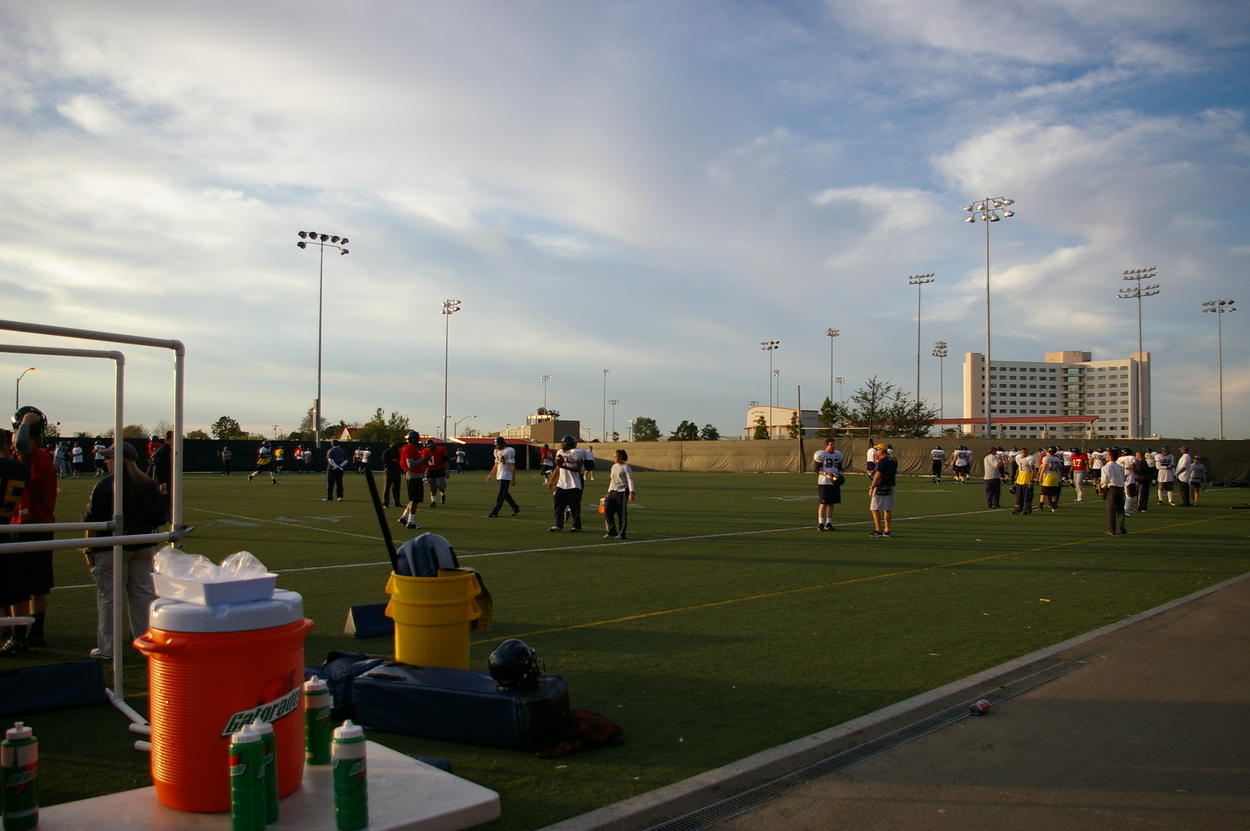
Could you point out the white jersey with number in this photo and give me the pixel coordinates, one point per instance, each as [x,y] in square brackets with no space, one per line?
[829,465]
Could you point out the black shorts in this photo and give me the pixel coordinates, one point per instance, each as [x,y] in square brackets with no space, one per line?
[829,494]
[416,489]
[589,464]
[25,574]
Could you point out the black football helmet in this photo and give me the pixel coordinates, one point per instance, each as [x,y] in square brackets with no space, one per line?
[39,427]
[568,442]
[412,437]
[514,665]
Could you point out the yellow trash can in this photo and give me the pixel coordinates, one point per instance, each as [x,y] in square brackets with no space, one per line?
[432,617]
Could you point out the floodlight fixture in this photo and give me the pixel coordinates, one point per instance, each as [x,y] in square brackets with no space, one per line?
[322,241]
[988,210]
[1137,291]
[832,334]
[919,281]
[1219,308]
[770,346]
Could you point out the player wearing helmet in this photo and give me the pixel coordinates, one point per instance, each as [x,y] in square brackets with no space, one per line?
[566,485]
[414,467]
[435,456]
[504,471]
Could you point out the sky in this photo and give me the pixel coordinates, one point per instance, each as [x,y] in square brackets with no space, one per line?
[651,188]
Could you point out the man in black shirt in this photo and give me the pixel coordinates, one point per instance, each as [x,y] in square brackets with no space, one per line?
[881,491]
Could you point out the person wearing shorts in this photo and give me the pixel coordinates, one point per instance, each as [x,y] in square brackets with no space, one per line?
[827,464]
[881,492]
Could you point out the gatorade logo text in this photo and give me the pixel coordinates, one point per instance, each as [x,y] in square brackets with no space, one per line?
[271,711]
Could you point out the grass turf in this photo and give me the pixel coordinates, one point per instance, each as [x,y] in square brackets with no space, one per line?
[725,626]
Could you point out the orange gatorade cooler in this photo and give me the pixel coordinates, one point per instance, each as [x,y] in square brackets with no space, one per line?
[211,670]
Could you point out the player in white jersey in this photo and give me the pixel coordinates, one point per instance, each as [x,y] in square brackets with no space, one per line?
[1165,469]
[936,456]
[827,464]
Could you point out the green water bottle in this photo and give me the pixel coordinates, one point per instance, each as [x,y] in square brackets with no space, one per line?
[19,767]
[270,747]
[351,795]
[317,706]
[247,781]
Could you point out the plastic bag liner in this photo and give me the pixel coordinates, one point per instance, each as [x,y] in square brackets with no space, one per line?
[424,556]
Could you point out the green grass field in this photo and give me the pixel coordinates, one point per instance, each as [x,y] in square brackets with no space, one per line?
[725,626]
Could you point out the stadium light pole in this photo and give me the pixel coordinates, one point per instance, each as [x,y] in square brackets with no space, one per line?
[544,380]
[17,389]
[1136,292]
[940,352]
[1219,308]
[770,346]
[604,432]
[322,241]
[841,388]
[832,334]
[919,281]
[450,307]
[990,209]
[613,402]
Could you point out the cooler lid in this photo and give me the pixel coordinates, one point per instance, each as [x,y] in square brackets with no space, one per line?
[172,615]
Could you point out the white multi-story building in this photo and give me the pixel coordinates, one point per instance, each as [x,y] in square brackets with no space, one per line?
[1065,385]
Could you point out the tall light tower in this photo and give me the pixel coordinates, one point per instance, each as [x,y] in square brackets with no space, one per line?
[770,346]
[603,435]
[1136,292]
[1219,308]
[322,241]
[919,281]
[833,334]
[841,387]
[990,209]
[940,352]
[613,402]
[450,307]
[544,380]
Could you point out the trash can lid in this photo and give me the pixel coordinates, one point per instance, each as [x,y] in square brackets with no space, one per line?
[176,616]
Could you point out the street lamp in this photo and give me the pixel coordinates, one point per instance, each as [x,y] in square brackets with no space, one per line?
[545,380]
[989,209]
[17,390]
[450,307]
[455,427]
[770,346]
[1219,308]
[841,380]
[322,241]
[613,402]
[832,333]
[604,432]
[939,352]
[1136,292]
[919,281]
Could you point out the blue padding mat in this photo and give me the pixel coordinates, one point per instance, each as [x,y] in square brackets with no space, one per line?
[51,687]
[458,705]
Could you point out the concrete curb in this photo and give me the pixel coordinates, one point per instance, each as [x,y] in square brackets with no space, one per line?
[667,803]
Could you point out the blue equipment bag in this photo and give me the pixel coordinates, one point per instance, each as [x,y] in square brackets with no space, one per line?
[51,687]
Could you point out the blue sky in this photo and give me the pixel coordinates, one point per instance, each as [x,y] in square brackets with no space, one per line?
[651,188]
